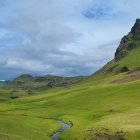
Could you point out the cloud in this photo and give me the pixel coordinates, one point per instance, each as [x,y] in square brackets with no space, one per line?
[61,37]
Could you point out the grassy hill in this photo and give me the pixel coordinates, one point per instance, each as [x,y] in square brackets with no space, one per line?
[105,106]
[28,82]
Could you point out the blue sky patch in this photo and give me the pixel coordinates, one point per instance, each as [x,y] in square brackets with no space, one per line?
[95,13]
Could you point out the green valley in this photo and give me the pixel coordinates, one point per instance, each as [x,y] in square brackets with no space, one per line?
[103,106]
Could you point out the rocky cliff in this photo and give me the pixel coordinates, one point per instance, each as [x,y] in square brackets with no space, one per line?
[128,42]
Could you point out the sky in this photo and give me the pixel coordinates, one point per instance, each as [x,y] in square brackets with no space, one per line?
[61,37]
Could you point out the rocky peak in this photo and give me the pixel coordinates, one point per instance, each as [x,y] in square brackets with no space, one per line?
[128,42]
[136,28]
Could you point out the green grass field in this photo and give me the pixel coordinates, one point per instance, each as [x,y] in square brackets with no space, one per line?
[88,106]
[94,106]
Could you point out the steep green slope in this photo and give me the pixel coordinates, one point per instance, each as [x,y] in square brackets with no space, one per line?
[126,58]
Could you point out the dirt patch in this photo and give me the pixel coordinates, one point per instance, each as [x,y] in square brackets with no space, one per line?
[109,137]
[104,134]
[132,76]
[136,70]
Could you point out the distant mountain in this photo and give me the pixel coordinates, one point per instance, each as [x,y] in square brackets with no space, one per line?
[3,83]
[29,82]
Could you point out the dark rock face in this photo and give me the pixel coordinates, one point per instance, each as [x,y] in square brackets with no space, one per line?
[124,48]
[124,69]
[136,29]
[128,42]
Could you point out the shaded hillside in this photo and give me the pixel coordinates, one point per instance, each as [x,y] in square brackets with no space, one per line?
[45,82]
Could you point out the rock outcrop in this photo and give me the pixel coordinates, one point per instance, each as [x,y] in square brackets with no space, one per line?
[128,42]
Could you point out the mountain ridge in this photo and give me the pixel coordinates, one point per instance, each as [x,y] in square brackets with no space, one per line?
[27,81]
